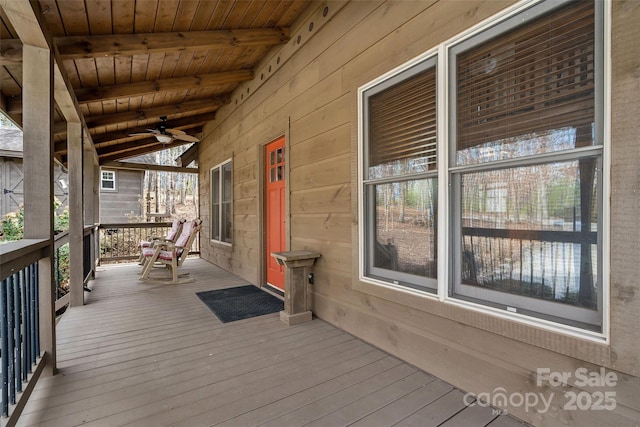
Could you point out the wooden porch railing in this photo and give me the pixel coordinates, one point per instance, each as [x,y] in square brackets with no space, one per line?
[20,359]
[61,269]
[121,241]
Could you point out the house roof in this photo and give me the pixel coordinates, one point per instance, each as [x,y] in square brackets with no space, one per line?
[10,142]
[128,63]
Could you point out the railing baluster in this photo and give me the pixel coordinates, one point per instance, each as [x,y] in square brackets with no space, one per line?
[17,298]
[36,314]
[4,345]
[10,354]
[19,340]
[26,342]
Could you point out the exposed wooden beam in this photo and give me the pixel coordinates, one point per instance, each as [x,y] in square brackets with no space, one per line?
[127,90]
[141,145]
[146,167]
[27,23]
[7,106]
[121,138]
[191,124]
[10,52]
[123,154]
[78,47]
[189,155]
[26,18]
[147,143]
[13,105]
[111,138]
[154,113]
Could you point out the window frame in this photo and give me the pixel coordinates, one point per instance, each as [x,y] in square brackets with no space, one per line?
[220,203]
[367,271]
[113,180]
[534,308]
[448,173]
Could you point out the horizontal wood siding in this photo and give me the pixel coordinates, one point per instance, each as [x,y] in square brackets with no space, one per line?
[311,99]
[625,184]
[123,203]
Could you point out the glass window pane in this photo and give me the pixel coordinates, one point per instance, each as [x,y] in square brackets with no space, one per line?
[215,221]
[405,227]
[215,185]
[227,182]
[226,225]
[533,231]
[530,90]
[215,204]
[402,126]
[561,139]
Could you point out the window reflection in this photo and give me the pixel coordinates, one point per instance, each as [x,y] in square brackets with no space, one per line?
[533,231]
[526,145]
[405,227]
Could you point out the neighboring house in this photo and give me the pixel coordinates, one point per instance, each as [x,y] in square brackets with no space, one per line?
[11,173]
[120,195]
[468,171]
[122,189]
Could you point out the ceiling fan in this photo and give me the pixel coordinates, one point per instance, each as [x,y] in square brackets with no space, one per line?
[166,135]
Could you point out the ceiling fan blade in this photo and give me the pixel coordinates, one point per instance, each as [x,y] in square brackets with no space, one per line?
[175,131]
[186,137]
[148,132]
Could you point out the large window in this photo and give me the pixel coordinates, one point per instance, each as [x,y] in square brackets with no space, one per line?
[524,184]
[108,180]
[526,155]
[221,202]
[400,178]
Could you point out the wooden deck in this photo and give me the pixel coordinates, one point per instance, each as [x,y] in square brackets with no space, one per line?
[151,355]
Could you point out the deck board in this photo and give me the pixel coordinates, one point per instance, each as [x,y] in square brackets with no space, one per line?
[152,355]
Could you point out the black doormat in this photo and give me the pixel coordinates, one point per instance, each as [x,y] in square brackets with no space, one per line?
[239,303]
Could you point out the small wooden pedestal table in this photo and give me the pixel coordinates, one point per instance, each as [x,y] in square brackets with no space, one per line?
[295,284]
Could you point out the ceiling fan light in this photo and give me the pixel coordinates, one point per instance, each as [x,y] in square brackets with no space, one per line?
[165,139]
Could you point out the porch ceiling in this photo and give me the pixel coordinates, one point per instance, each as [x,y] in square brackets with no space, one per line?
[131,62]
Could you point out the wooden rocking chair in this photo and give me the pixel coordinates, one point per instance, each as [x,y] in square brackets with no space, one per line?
[172,235]
[171,255]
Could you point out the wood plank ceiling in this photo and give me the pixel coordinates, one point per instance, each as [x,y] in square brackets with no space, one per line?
[131,62]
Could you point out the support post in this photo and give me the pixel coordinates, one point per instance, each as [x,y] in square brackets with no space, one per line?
[37,98]
[76,214]
[91,197]
[295,285]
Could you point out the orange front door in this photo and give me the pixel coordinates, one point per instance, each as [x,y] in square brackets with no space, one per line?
[275,207]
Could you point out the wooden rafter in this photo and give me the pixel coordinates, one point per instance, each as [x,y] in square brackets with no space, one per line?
[100,75]
[112,138]
[149,147]
[148,167]
[26,18]
[10,52]
[13,105]
[153,113]
[101,46]
[132,145]
[103,93]
[186,123]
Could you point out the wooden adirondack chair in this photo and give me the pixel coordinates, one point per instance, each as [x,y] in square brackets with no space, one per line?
[172,235]
[170,255]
